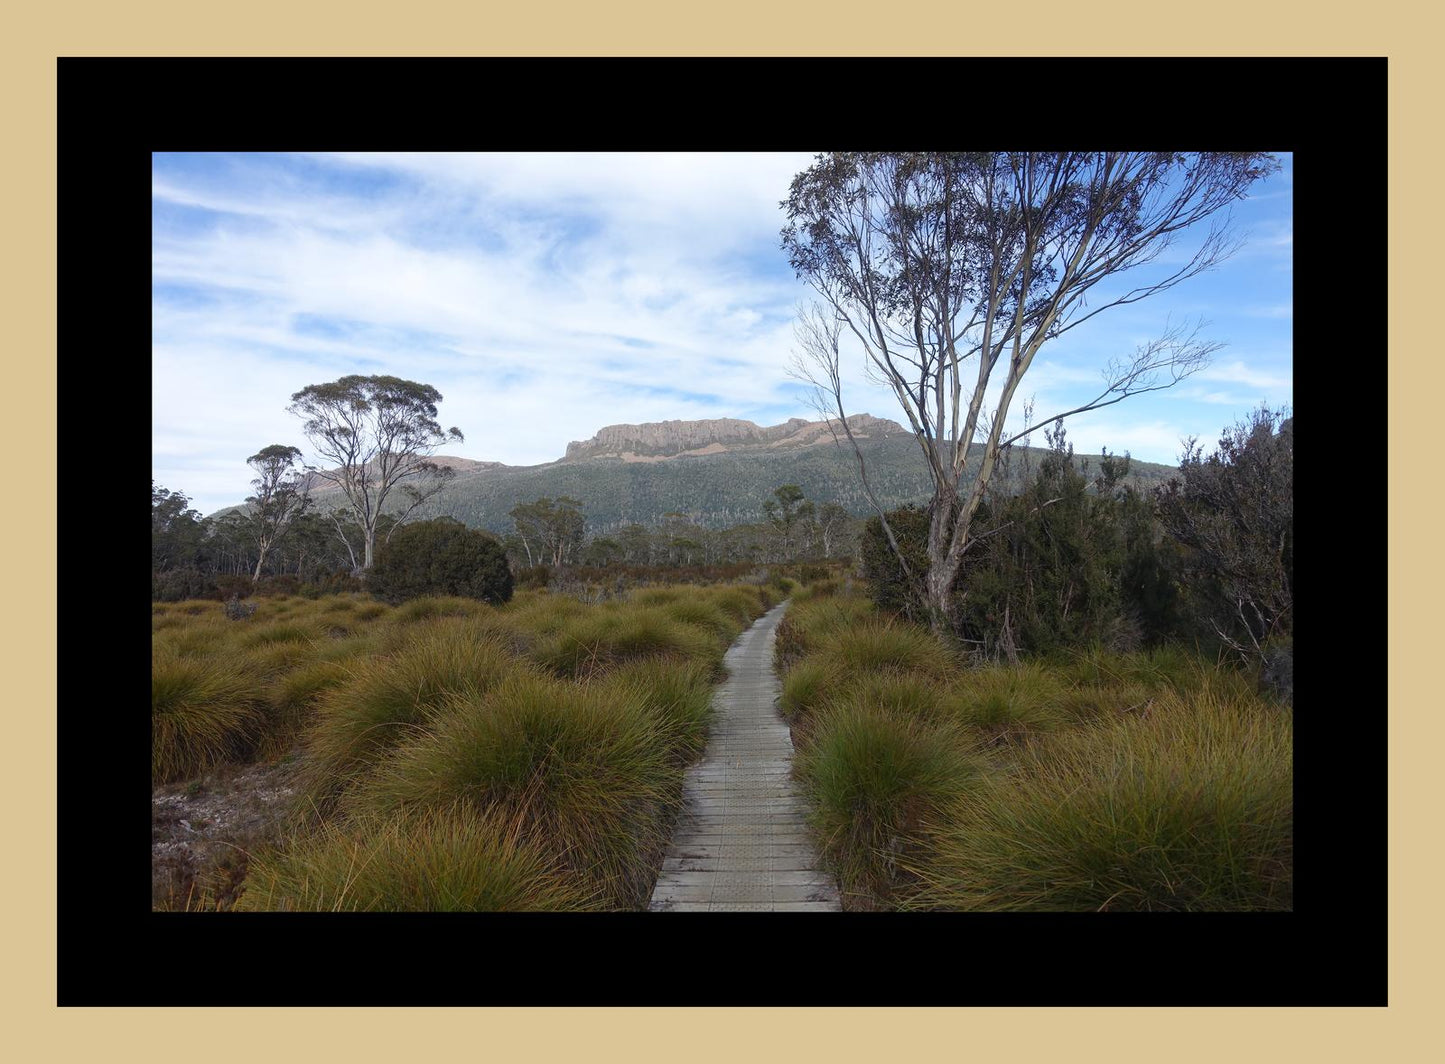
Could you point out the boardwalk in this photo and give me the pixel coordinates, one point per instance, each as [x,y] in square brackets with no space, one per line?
[741,843]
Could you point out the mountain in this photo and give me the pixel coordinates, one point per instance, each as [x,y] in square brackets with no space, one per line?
[677,439]
[717,472]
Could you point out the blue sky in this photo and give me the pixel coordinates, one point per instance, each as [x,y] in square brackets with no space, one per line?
[546,295]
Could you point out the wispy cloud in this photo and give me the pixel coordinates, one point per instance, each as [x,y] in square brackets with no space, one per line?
[545,295]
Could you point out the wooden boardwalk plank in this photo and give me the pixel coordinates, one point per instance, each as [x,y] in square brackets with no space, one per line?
[741,843]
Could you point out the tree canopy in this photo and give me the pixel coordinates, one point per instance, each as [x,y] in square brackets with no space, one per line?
[375,436]
[952,270]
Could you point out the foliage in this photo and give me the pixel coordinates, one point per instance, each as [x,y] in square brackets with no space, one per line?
[377,435]
[945,267]
[1233,513]
[550,529]
[441,557]
[281,497]
[1090,779]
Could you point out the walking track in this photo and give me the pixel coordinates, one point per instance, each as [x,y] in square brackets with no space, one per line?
[741,843]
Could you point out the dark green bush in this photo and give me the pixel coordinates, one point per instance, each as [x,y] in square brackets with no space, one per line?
[178,585]
[890,588]
[441,557]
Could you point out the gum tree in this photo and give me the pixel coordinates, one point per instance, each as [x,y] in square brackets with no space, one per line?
[375,437]
[281,497]
[952,270]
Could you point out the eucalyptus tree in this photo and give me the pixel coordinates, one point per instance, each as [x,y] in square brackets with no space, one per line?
[375,437]
[784,510]
[952,270]
[551,529]
[281,497]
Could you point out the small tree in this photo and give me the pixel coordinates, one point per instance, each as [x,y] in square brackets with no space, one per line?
[948,267]
[551,529]
[831,519]
[377,435]
[784,510]
[1233,512]
[442,557]
[281,497]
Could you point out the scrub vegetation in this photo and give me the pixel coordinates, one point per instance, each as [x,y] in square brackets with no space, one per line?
[1084,780]
[447,753]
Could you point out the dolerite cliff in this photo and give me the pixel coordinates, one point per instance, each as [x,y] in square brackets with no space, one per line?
[675,439]
[717,472]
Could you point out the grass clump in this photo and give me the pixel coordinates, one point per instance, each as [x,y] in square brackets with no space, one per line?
[679,693]
[593,644]
[1009,703]
[805,686]
[880,646]
[583,774]
[875,777]
[387,699]
[1186,807]
[432,607]
[445,861]
[202,713]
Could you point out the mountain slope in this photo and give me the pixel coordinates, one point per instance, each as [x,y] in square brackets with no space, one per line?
[716,472]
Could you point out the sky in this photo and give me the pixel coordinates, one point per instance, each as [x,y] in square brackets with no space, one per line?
[546,295]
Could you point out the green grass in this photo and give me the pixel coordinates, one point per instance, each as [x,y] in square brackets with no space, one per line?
[1009,703]
[1185,807]
[593,644]
[583,774]
[387,699]
[679,693]
[1088,780]
[202,712]
[447,861]
[874,777]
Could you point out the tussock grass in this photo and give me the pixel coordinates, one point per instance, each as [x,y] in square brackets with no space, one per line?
[874,776]
[447,861]
[1009,703]
[1157,669]
[708,616]
[680,693]
[875,646]
[542,614]
[387,699]
[1185,807]
[202,712]
[582,773]
[805,686]
[280,632]
[593,644]
[431,607]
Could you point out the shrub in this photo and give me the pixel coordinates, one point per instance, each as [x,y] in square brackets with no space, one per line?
[177,585]
[441,557]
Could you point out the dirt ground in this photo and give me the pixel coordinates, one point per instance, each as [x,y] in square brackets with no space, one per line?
[203,831]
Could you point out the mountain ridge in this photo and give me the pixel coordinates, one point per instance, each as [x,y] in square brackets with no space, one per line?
[717,472]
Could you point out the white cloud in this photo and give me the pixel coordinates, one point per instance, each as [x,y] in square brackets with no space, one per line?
[545,295]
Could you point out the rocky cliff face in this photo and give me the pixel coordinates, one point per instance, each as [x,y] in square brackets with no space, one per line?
[668,439]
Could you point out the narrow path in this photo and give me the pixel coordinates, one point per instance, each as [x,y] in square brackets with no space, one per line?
[741,843]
